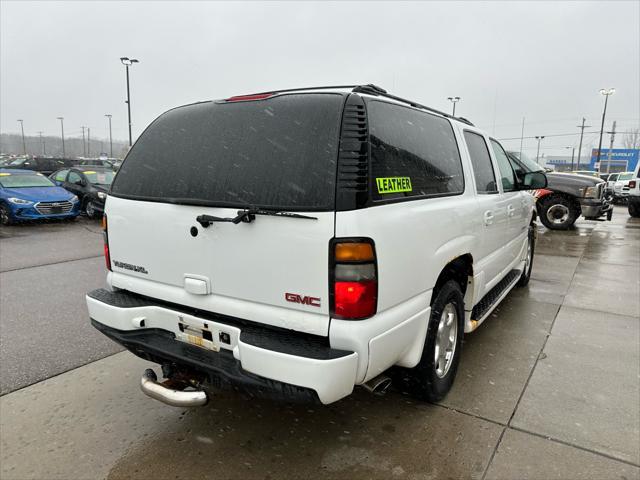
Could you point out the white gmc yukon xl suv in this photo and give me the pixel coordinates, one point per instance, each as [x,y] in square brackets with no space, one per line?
[295,244]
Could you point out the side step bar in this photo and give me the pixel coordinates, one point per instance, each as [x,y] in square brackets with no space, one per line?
[176,398]
[493,297]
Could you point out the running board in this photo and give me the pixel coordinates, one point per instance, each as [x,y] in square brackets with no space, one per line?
[491,300]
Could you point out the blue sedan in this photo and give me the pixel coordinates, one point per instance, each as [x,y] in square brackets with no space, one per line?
[27,195]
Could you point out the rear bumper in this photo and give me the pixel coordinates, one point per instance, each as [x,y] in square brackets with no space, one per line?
[269,362]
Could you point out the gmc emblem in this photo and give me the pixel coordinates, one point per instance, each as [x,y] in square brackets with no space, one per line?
[295,298]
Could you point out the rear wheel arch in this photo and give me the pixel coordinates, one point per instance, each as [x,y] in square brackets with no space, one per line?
[460,269]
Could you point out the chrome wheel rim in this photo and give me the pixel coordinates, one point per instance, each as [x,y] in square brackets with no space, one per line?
[446,340]
[558,213]
[90,210]
[4,216]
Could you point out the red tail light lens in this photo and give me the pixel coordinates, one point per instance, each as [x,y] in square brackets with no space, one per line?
[247,98]
[632,184]
[354,279]
[105,236]
[355,300]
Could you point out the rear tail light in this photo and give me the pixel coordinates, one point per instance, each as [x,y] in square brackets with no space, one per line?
[354,279]
[105,236]
[632,184]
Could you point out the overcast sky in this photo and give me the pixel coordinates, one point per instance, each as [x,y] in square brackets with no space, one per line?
[544,61]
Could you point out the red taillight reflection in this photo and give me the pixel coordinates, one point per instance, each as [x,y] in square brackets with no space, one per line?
[632,184]
[355,300]
[107,257]
[105,237]
[246,98]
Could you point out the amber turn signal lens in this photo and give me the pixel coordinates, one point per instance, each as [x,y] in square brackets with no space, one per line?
[104,222]
[353,252]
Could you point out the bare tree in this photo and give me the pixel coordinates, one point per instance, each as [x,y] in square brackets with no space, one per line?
[632,138]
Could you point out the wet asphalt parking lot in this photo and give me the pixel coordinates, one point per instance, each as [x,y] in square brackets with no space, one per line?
[548,387]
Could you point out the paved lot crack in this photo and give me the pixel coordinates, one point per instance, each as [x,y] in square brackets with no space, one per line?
[47,264]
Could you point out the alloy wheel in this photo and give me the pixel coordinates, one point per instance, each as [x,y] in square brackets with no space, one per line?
[446,340]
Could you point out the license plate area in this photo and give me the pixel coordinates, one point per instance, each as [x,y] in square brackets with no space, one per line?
[56,210]
[201,335]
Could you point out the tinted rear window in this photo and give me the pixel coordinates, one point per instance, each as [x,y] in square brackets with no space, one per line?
[278,153]
[413,153]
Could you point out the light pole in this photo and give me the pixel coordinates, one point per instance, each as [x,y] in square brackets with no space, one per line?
[84,147]
[581,127]
[62,128]
[538,154]
[110,137]
[24,145]
[44,150]
[127,62]
[88,142]
[454,100]
[573,153]
[606,94]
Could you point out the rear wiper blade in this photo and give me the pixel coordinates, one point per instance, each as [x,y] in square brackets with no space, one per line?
[248,216]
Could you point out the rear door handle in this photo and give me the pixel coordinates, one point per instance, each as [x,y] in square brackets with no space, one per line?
[511,210]
[488,217]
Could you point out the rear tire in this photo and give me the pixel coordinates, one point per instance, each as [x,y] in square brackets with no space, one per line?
[557,212]
[431,379]
[634,209]
[531,246]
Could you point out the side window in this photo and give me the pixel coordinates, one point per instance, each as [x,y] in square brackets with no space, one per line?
[74,177]
[517,168]
[61,175]
[413,153]
[506,172]
[481,161]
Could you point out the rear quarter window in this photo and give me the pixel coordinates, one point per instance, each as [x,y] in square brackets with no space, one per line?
[275,153]
[413,153]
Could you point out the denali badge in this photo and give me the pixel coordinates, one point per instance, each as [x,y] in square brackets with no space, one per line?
[295,298]
[128,266]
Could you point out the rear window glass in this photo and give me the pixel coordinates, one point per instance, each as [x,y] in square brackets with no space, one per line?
[275,153]
[625,176]
[413,153]
[99,177]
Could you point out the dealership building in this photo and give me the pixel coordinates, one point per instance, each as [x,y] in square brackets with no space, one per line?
[622,160]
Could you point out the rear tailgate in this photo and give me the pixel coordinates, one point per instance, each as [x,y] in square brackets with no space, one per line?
[277,154]
[247,269]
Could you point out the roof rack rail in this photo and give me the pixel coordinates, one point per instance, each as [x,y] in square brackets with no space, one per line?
[305,88]
[376,90]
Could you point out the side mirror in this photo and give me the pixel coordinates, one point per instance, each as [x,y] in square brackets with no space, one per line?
[533,181]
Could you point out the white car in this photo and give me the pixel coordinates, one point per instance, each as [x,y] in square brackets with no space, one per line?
[621,186]
[299,243]
[633,200]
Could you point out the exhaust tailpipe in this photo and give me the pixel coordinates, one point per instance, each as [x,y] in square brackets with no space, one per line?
[176,398]
[378,385]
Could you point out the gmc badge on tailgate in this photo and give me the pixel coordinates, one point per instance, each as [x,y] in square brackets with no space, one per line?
[304,300]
